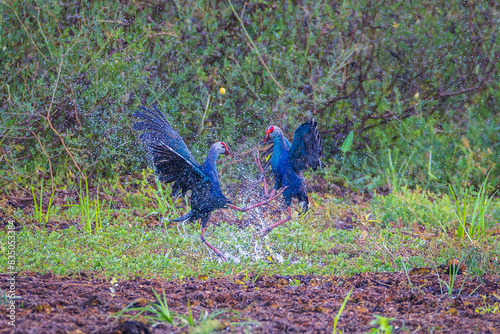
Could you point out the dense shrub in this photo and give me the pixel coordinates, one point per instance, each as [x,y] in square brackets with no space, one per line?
[417,81]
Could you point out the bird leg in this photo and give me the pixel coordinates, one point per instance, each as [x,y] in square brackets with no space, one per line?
[259,165]
[217,252]
[234,207]
[273,195]
[268,229]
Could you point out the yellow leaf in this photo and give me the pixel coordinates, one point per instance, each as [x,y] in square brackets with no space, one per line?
[452,311]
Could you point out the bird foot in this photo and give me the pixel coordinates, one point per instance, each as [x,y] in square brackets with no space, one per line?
[223,258]
[262,233]
[273,195]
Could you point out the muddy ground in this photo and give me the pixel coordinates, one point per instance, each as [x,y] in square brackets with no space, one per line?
[83,303]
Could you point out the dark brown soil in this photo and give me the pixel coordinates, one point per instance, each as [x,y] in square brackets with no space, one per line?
[81,304]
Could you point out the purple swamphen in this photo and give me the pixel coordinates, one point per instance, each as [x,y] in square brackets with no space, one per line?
[174,163]
[288,161]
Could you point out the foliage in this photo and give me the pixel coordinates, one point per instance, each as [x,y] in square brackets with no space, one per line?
[160,311]
[164,201]
[384,326]
[414,77]
[89,210]
[454,269]
[395,232]
[493,308]
[38,205]
[206,323]
[475,220]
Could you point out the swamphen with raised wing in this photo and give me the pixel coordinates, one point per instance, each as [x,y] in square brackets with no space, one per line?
[174,163]
[289,161]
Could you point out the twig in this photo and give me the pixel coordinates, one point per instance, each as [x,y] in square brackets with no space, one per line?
[461,91]
[243,154]
[48,158]
[481,82]
[48,115]
[229,163]
[162,34]
[29,36]
[43,33]
[205,112]
[332,101]
[21,158]
[254,48]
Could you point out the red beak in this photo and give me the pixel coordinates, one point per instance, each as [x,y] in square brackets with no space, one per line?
[268,132]
[226,152]
[266,138]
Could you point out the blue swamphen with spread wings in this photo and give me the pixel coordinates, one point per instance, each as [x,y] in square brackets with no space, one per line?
[288,161]
[174,163]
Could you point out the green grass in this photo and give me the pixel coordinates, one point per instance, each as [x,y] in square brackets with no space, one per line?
[390,233]
[384,326]
[337,317]
[476,219]
[159,312]
[38,205]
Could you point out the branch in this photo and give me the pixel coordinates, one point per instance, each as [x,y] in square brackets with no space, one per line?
[385,118]
[242,154]
[334,100]
[254,48]
[48,158]
[443,94]
[478,86]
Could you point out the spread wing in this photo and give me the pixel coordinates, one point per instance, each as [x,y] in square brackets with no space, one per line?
[171,157]
[307,147]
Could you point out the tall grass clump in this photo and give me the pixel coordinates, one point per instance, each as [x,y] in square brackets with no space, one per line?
[163,200]
[88,208]
[38,205]
[158,312]
[472,212]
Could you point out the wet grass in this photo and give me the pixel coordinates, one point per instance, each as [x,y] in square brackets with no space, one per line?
[339,236]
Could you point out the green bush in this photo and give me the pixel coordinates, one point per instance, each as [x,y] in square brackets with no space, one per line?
[415,77]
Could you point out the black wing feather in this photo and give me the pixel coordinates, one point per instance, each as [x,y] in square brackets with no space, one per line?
[171,157]
[307,147]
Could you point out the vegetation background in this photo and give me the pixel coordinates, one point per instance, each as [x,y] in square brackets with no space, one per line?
[407,96]
[415,82]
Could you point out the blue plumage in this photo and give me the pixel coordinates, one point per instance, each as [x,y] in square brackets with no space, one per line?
[175,164]
[288,161]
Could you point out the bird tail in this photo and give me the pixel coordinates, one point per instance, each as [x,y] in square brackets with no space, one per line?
[187,217]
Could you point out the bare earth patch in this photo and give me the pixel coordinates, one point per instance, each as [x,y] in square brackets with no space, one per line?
[53,304]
